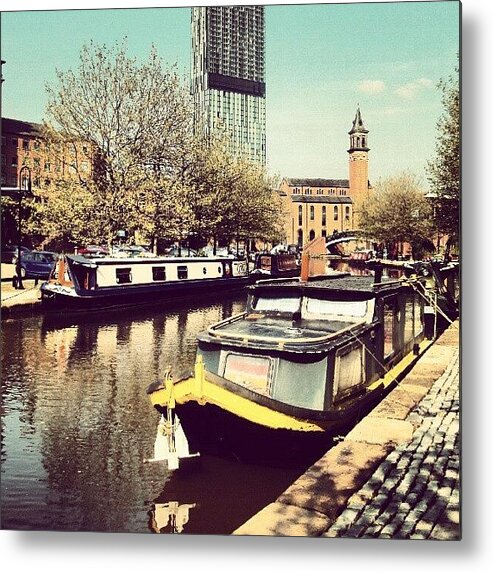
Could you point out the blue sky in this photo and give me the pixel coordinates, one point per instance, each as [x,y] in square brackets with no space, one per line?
[322,60]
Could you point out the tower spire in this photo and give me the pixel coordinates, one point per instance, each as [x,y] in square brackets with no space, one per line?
[358,139]
[359,184]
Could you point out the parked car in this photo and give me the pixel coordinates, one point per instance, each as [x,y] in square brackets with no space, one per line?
[93,251]
[9,253]
[131,251]
[38,264]
[184,251]
[221,251]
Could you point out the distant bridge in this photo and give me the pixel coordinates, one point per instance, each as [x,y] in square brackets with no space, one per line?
[338,237]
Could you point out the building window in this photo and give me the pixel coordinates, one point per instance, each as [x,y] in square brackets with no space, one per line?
[320,191]
[336,213]
[300,215]
[324,233]
[312,212]
[182,272]
[158,273]
[300,237]
[324,215]
[123,275]
[25,145]
[348,213]
[312,234]
[308,191]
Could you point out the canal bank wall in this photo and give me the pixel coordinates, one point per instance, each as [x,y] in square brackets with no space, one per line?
[395,475]
[18,302]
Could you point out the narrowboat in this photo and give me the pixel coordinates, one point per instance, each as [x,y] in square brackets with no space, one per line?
[81,283]
[361,256]
[307,358]
[278,265]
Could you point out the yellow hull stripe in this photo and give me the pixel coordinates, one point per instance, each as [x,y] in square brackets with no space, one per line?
[235,404]
[392,375]
[199,390]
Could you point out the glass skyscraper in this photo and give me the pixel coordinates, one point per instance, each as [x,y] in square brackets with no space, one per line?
[228,75]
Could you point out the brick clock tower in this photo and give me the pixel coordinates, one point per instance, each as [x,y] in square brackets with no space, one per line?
[359,185]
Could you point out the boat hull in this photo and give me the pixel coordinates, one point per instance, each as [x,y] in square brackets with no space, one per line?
[214,431]
[60,299]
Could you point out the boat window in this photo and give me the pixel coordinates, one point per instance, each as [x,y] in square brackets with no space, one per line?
[159,273]
[388,328]
[409,321]
[418,319]
[252,372]
[266,304]
[336,309]
[182,272]
[349,371]
[123,275]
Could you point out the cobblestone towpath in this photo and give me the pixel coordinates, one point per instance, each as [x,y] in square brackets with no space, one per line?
[396,475]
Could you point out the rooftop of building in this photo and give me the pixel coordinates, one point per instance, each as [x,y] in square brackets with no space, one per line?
[20,127]
[330,183]
[328,199]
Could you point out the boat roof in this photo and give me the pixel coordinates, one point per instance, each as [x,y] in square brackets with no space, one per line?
[344,283]
[118,260]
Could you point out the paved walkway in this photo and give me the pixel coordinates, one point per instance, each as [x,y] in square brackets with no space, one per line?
[19,301]
[414,493]
[395,475]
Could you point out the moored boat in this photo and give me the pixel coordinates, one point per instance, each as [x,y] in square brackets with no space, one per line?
[361,256]
[304,361]
[81,283]
[275,265]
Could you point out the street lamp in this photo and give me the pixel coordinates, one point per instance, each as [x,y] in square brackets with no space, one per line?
[22,179]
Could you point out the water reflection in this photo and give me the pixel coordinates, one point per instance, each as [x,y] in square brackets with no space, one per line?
[216,496]
[77,423]
[170,517]
[77,426]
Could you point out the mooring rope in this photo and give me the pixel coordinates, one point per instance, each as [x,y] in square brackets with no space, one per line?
[19,293]
[432,303]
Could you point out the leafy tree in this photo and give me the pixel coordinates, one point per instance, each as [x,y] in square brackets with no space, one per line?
[231,197]
[131,122]
[444,169]
[60,217]
[398,211]
[123,135]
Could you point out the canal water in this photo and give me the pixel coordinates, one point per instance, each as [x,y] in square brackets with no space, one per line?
[77,428]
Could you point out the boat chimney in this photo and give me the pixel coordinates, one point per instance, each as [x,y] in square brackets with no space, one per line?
[305,266]
[378,272]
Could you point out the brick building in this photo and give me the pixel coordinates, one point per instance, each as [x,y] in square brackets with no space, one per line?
[23,144]
[318,207]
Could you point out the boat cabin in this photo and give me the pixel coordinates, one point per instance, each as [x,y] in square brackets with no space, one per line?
[312,345]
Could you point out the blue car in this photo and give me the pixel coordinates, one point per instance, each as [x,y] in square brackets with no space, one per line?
[37,264]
